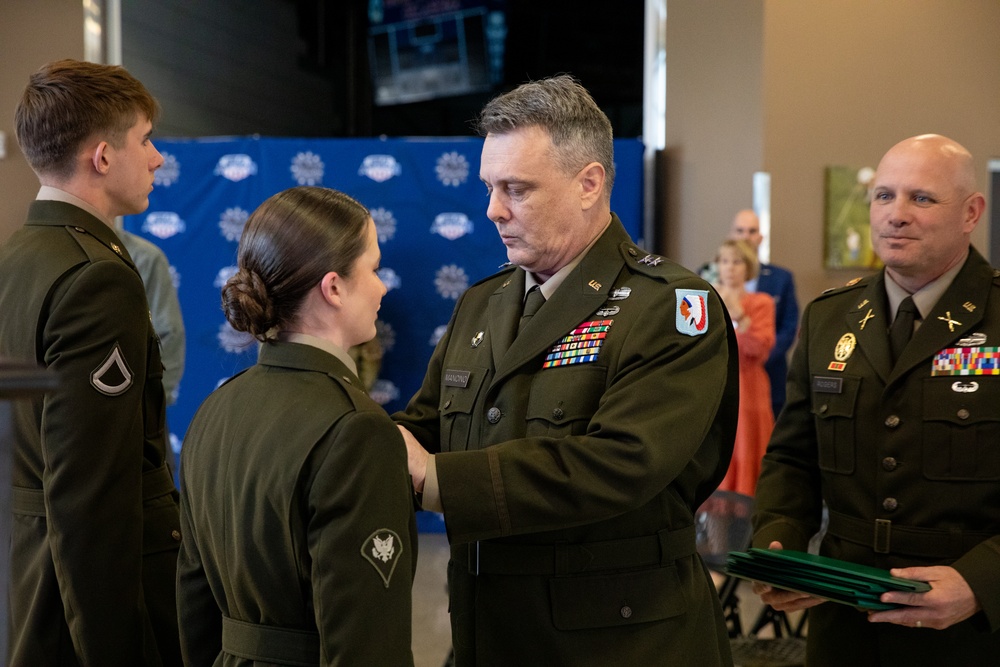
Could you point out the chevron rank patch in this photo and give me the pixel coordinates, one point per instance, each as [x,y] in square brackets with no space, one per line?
[382,549]
[113,376]
[692,311]
[579,346]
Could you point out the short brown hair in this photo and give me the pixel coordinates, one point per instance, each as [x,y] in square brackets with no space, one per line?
[68,101]
[288,244]
[746,253]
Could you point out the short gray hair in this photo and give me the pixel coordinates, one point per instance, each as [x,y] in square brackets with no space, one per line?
[580,131]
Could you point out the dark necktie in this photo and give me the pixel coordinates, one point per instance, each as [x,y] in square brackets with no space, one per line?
[902,327]
[532,302]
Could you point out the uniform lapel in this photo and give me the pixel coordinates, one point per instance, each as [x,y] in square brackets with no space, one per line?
[869,320]
[504,313]
[956,313]
[583,292]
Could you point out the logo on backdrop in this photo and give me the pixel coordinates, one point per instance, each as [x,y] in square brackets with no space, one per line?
[307,168]
[452,225]
[224,274]
[389,278]
[450,281]
[163,224]
[438,334]
[168,173]
[380,168]
[452,169]
[386,335]
[384,391]
[233,341]
[175,276]
[385,224]
[231,223]
[235,167]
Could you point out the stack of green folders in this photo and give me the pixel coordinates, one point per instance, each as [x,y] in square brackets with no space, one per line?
[837,580]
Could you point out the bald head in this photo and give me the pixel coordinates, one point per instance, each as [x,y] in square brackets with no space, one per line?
[746,227]
[924,207]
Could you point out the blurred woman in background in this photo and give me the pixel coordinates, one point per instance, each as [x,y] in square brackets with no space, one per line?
[753,318]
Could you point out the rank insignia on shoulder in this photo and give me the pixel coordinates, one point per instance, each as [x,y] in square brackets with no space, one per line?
[651,260]
[692,311]
[852,281]
[113,376]
[382,549]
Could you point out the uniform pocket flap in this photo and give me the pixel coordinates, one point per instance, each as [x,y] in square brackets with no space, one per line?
[566,394]
[613,600]
[834,397]
[961,400]
[459,389]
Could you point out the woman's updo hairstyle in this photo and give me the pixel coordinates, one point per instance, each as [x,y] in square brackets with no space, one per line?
[288,244]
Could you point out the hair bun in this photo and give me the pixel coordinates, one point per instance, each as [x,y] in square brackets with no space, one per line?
[247,305]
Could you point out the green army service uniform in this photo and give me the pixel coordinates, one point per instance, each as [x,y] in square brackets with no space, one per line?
[297,506]
[906,457]
[569,488]
[95,525]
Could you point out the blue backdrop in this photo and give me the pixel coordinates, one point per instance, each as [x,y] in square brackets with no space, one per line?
[429,208]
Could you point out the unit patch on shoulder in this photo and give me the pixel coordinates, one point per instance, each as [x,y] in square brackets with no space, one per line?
[692,311]
[382,549]
[113,376]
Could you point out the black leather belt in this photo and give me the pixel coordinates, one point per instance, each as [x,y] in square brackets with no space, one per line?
[555,559]
[31,502]
[885,537]
[271,644]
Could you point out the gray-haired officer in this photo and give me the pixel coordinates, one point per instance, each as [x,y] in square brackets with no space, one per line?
[569,457]
[893,420]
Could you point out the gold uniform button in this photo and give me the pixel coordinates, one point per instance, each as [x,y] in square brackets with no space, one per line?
[558,414]
[890,504]
[963,414]
[176,534]
[889,464]
[892,421]
[626,611]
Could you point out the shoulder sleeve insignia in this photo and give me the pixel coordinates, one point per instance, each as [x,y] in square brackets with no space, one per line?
[113,376]
[692,311]
[382,549]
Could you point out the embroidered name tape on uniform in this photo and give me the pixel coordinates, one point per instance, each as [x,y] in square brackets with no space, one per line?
[382,549]
[580,346]
[692,311]
[967,361]
[456,378]
[113,376]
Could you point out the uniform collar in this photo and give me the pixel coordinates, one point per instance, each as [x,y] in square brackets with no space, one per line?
[323,344]
[50,193]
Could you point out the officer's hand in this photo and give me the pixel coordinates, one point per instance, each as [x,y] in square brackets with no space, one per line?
[949,601]
[416,459]
[782,600]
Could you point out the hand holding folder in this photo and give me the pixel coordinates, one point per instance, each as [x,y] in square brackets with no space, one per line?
[828,578]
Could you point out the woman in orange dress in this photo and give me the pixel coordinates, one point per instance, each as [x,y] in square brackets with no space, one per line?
[753,318]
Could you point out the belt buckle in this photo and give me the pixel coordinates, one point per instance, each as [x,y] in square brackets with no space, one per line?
[883,536]
[473,559]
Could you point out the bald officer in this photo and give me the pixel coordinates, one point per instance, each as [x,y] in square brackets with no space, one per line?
[893,420]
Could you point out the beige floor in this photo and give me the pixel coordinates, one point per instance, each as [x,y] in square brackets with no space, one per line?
[431,629]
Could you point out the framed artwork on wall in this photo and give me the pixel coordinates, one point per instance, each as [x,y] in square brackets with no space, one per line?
[846,238]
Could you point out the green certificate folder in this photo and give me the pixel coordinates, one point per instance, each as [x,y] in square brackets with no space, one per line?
[836,580]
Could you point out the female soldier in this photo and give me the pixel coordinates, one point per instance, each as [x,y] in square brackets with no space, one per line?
[299,536]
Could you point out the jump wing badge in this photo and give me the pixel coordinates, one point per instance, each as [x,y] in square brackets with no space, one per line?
[113,376]
[382,549]
[692,311]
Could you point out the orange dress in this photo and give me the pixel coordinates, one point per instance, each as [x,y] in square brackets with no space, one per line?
[756,420]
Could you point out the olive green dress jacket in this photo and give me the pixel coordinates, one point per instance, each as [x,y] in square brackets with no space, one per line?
[95,527]
[907,458]
[300,538]
[569,489]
